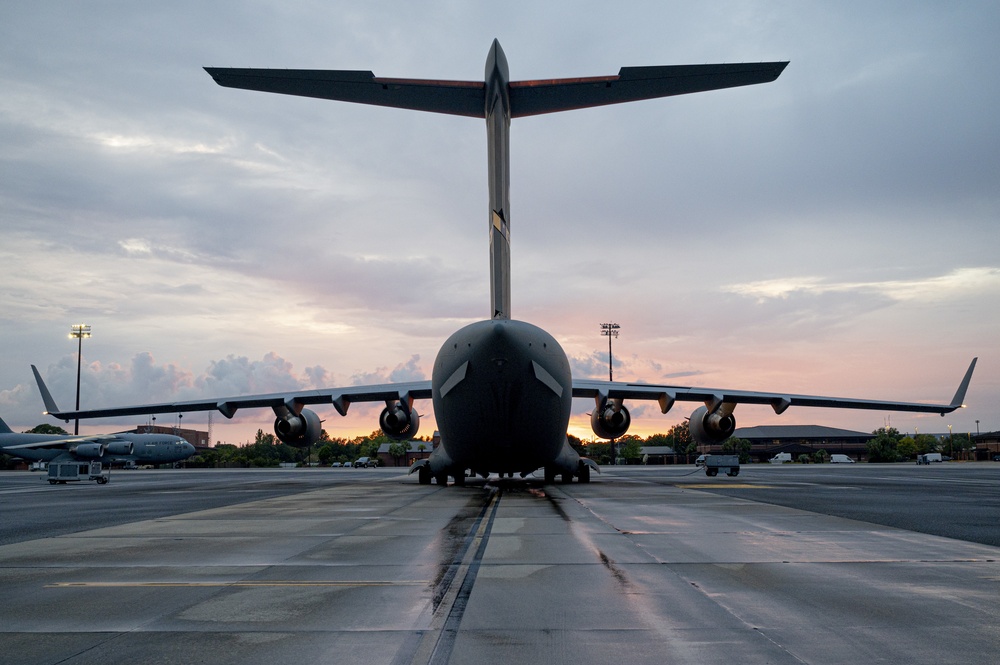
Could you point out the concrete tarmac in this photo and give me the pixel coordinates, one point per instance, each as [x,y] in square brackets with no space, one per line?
[639,566]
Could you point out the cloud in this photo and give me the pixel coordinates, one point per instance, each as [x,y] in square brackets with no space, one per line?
[847,209]
[965,282]
[408,371]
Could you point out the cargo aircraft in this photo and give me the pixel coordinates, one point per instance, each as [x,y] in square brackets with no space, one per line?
[105,448]
[501,388]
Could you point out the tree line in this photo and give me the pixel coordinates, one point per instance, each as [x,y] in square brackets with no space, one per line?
[889,445]
[268,451]
[886,445]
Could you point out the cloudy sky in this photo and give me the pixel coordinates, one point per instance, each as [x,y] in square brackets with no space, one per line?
[834,232]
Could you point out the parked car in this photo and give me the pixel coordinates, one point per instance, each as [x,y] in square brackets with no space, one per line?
[365,463]
[336,465]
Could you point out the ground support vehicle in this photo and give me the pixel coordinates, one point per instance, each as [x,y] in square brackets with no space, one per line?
[728,463]
[71,472]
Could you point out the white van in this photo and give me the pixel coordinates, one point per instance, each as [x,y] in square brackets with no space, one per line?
[840,459]
[781,458]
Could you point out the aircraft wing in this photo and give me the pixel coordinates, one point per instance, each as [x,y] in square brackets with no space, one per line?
[468,98]
[63,441]
[713,398]
[293,400]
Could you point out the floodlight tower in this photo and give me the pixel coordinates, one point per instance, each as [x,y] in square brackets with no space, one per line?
[78,332]
[610,330]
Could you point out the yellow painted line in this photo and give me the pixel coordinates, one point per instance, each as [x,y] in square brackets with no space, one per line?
[725,486]
[274,583]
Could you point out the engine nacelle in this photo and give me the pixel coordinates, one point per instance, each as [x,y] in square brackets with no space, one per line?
[89,450]
[708,428]
[397,424]
[298,430]
[608,423]
[120,448]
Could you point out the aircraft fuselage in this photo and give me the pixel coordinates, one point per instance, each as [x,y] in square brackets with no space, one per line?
[502,394]
[145,448]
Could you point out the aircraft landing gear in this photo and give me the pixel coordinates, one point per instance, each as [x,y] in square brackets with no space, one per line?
[424,475]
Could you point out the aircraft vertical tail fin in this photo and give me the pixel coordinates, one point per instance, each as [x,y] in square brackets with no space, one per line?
[4,429]
[50,404]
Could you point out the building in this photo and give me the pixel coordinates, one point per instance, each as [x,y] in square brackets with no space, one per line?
[660,455]
[768,440]
[416,450]
[987,445]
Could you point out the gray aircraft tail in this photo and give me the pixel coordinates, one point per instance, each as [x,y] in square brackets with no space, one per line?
[4,429]
[498,99]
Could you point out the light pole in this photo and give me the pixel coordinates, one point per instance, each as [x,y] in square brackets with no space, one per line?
[610,330]
[78,332]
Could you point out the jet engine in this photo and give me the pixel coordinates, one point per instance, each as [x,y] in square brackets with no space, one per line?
[299,430]
[89,450]
[397,423]
[120,448]
[610,420]
[708,428]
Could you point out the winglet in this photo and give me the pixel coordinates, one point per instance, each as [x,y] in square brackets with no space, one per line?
[958,401]
[50,404]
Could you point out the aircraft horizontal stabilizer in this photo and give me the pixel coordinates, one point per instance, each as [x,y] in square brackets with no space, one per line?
[634,84]
[466,98]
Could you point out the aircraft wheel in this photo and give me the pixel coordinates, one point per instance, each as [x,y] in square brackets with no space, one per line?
[442,479]
[550,475]
[567,478]
[424,475]
[584,476]
[460,479]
